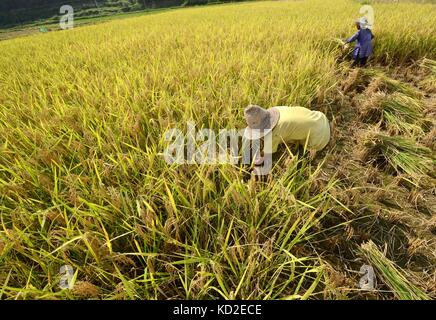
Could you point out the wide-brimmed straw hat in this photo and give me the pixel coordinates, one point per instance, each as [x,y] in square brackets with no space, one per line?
[260,121]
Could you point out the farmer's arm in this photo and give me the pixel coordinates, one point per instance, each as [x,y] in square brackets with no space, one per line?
[263,163]
[353,38]
[266,154]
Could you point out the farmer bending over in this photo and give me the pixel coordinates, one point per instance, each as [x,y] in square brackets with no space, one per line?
[286,124]
[363,49]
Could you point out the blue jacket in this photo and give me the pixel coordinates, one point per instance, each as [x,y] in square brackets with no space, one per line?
[363,47]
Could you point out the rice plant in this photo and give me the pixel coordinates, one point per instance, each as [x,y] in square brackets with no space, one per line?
[398,113]
[379,81]
[83,183]
[429,64]
[391,274]
[429,81]
[398,154]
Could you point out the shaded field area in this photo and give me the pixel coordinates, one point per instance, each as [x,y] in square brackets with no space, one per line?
[83,182]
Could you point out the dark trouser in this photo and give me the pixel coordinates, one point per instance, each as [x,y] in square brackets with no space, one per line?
[361,61]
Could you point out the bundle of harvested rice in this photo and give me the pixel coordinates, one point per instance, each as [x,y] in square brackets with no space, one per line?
[429,64]
[398,113]
[391,274]
[397,154]
[381,82]
[429,82]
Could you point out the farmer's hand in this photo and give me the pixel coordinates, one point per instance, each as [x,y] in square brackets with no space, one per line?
[312,154]
[263,165]
[258,160]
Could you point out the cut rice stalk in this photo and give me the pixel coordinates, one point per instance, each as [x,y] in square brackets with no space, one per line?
[429,82]
[398,113]
[429,64]
[398,154]
[391,274]
[385,83]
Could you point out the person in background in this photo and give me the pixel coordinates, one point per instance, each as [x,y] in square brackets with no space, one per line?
[363,49]
[286,125]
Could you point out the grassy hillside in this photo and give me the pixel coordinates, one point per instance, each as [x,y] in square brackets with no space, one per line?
[25,12]
[83,181]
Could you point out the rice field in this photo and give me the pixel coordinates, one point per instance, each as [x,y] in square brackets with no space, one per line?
[83,182]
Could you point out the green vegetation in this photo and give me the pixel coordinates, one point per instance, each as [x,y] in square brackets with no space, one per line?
[398,113]
[394,278]
[400,154]
[83,182]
